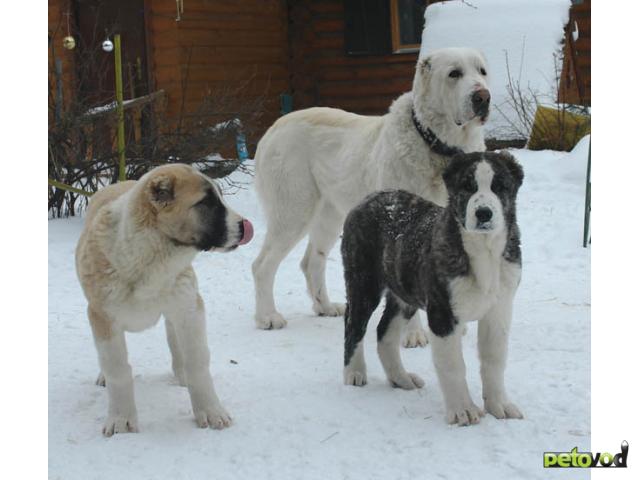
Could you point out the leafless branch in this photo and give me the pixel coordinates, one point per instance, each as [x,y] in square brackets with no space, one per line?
[554,131]
[82,151]
[468,4]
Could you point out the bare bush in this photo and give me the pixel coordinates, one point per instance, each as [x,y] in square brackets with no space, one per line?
[82,138]
[537,116]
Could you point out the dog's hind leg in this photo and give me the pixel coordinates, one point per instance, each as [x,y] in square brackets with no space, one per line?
[390,330]
[415,334]
[177,359]
[323,234]
[289,207]
[363,296]
[356,317]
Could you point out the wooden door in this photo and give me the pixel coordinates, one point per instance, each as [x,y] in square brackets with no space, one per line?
[98,20]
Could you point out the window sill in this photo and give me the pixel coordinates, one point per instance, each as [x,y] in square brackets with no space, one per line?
[408,49]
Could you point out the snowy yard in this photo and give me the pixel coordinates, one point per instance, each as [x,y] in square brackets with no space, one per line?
[293,416]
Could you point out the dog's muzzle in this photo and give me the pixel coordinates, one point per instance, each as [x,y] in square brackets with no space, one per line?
[483,218]
[480,100]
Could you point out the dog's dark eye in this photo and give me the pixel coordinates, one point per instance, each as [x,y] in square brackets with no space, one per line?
[455,73]
[468,185]
[483,71]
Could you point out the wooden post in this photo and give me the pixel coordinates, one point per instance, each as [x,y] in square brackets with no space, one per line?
[120,109]
[69,188]
[59,100]
[135,112]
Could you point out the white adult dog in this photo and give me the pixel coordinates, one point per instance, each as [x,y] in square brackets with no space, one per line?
[313,166]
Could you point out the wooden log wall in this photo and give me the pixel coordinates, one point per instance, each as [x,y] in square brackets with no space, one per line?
[236,47]
[576,71]
[323,74]
[260,49]
[57,27]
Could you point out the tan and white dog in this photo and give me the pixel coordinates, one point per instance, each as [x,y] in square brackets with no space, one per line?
[133,260]
[313,166]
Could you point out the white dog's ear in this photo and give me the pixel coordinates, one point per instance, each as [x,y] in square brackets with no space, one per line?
[161,189]
[425,65]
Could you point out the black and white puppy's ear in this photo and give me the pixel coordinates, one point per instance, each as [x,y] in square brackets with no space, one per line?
[514,168]
[459,162]
[162,189]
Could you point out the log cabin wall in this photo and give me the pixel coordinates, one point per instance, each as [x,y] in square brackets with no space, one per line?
[57,27]
[267,48]
[236,47]
[575,84]
[324,74]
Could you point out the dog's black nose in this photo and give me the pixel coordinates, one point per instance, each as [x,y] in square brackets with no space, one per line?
[480,100]
[484,214]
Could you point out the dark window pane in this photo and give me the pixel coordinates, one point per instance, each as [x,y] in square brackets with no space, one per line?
[367,27]
[411,20]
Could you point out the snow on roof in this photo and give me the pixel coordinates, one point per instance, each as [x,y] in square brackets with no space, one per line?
[527,32]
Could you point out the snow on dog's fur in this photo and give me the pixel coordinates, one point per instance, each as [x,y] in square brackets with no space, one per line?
[133,260]
[460,263]
[314,165]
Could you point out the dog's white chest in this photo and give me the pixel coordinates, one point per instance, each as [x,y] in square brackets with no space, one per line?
[152,290]
[138,316]
[489,282]
[139,303]
[142,307]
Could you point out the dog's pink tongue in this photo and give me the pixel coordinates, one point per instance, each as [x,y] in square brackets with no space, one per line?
[248,232]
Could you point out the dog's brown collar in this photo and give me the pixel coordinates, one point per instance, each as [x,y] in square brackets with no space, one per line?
[432,141]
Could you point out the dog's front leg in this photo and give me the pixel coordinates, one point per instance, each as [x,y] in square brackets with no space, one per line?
[451,370]
[188,322]
[112,356]
[493,335]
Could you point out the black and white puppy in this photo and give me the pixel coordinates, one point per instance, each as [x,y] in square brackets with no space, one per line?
[460,263]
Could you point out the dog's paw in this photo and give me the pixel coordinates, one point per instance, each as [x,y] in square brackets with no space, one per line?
[100,381]
[120,424]
[415,338]
[331,310]
[355,377]
[273,321]
[213,417]
[407,381]
[502,409]
[464,414]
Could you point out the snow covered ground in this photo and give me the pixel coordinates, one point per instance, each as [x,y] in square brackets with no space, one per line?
[293,416]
